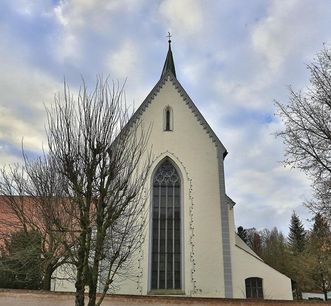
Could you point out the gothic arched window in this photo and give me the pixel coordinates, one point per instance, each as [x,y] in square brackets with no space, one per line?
[166,225]
[254,287]
[168,119]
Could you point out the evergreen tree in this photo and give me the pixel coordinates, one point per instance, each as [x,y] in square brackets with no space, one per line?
[274,250]
[20,261]
[320,253]
[297,235]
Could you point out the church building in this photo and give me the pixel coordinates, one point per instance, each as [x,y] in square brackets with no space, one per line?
[191,247]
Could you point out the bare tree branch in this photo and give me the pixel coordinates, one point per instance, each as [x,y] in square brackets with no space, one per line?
[307,132]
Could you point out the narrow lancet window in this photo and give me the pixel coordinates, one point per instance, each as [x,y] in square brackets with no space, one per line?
[166,225]
[168,119]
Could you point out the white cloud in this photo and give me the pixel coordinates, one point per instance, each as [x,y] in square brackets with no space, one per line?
[68,48]
[31,8]
[24,90]
[86,27]
[184,17]
[265,191]
[124,61]
[92,14]
[291,28]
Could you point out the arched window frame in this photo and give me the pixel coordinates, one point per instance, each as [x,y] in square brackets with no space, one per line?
[168,119]
[179,289]
[254,287]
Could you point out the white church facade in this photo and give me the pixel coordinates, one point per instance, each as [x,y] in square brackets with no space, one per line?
[191,247]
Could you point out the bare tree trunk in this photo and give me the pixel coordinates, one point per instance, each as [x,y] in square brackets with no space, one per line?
[80,288]
[324,287]
[81,269]
[92,296]
[46,284]
[79,296]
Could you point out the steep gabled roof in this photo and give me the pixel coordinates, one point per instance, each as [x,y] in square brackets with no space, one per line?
[168,73]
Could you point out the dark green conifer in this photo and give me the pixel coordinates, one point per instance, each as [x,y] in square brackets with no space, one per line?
[297,235]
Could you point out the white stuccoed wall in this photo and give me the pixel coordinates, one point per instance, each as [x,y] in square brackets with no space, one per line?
[195,156]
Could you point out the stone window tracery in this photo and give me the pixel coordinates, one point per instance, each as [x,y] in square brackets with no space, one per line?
[166,228]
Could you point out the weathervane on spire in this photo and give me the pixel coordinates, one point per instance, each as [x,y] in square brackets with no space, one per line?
[169,36]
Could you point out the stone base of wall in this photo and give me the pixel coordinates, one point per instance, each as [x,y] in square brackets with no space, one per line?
[40,298]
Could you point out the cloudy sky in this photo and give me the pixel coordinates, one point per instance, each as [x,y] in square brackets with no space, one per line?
[233,57]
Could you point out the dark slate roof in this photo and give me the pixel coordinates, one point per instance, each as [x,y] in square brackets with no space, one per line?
[169,64]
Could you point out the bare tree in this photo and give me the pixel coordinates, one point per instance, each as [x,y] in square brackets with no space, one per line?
[253,240]
[307,133]
[32,200]
[104,160]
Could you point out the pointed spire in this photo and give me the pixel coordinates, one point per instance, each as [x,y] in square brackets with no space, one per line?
[169,62]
